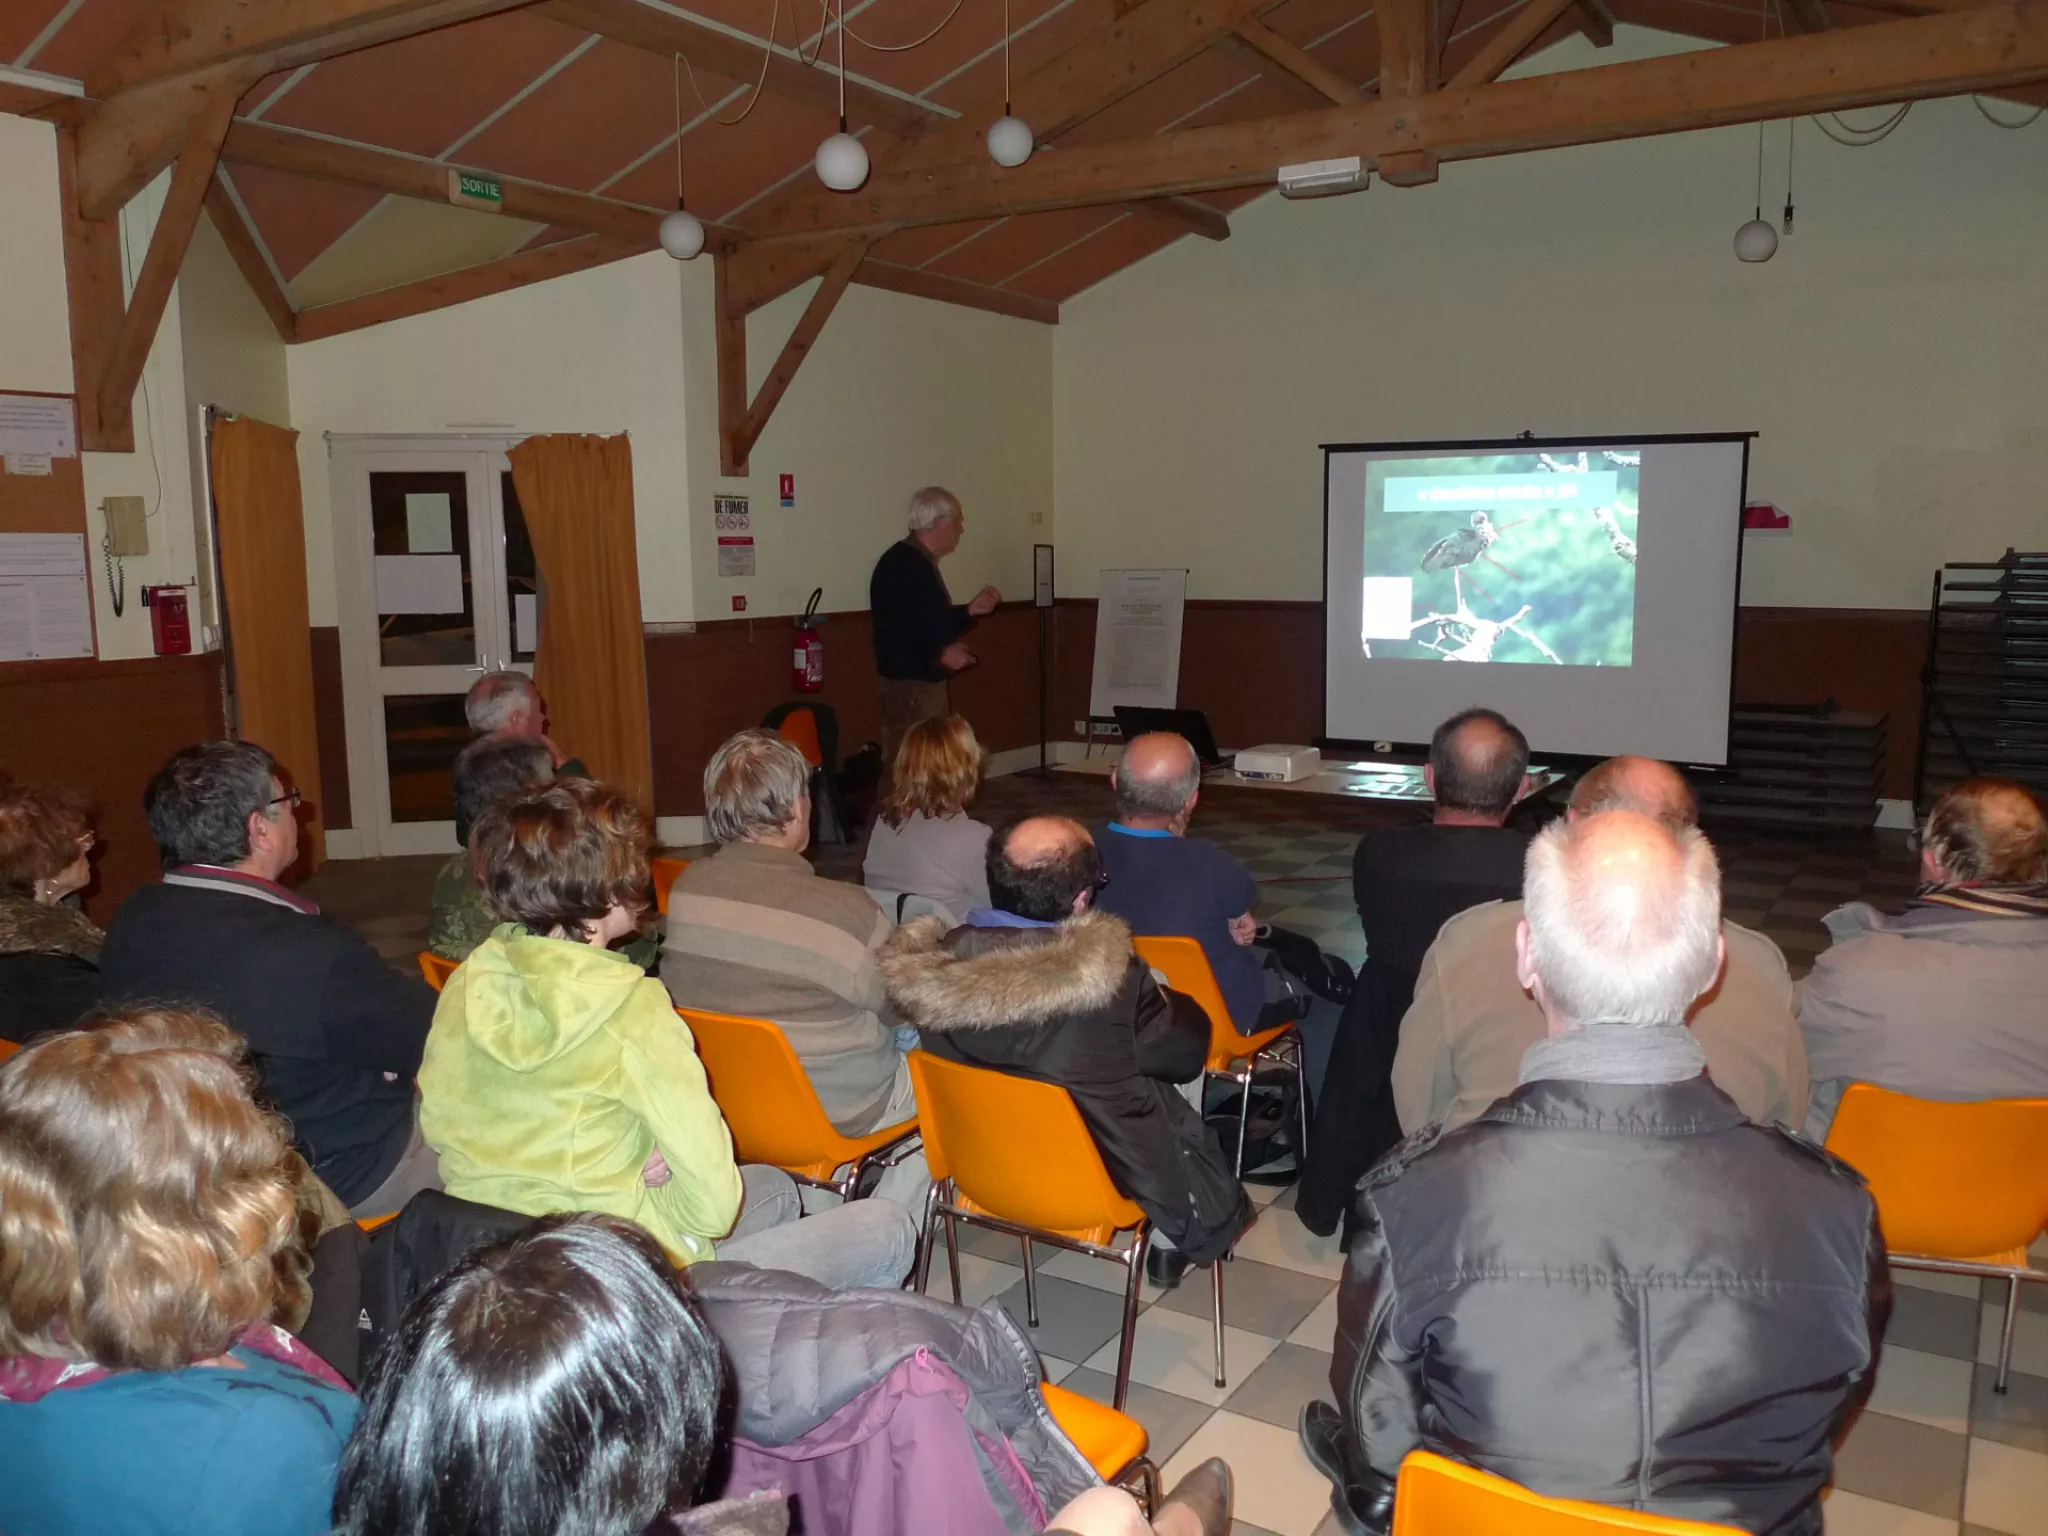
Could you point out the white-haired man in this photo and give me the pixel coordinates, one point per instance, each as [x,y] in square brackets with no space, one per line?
[1613,1285]
[506,706]
[917,625]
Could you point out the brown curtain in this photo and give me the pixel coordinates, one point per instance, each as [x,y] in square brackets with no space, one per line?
[255,469]
[577,494]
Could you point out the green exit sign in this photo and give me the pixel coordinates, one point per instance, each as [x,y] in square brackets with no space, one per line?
[475,190]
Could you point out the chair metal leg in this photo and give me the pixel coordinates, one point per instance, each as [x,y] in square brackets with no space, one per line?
[2012,1320]
[1030,1284]
[1135,1263]
[1301,1104]
[1244,1114]
[953,1259]
[1216,1271]
[1150,1473]
[928,1236]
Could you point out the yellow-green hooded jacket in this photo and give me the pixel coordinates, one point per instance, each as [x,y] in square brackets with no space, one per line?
[553,1069]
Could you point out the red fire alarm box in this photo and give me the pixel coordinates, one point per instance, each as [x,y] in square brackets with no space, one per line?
[170,625]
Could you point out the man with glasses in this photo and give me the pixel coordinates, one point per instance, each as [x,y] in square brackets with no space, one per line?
[335,1032]
[1041,985]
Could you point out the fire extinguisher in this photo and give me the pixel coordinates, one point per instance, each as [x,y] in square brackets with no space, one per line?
[807,661]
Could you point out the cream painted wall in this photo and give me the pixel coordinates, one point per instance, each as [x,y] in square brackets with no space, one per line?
[35,354]
[234,357]
[898,393]
[596,351]
[1891,355]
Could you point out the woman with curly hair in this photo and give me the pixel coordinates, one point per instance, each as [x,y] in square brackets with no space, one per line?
[49,950]
[147,1239]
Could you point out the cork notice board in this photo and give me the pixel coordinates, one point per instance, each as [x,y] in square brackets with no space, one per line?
[51,503]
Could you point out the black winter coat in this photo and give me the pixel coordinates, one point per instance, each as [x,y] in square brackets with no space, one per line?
[1073,1005]
[49,967]
[1625,1294]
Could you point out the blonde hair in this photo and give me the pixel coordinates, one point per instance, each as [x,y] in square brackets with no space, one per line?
[937,770]
[1988,830]
[146,1211]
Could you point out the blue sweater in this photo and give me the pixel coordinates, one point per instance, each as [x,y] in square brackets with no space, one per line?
[164,1453]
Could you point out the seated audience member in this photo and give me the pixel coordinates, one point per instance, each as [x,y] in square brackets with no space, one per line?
[558,1076]
[1612,1286]
[565,1382]
[1944,1001]
[506,706]
[1163,881]
[150,1239]
[1463,1040]
[1041,986]
[485,772]
[335,1031]
[754,930]
[1408,882]
[924,842]
[49,950]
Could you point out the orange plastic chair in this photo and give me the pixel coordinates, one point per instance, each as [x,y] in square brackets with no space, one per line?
[773,1111]
[800,729]
[1014,1155]
[663,873]
[1437,1497]
[8,1048]
[1233,1058]
[436,969]
[371,1223]
[1960,1188]
[1113,1443]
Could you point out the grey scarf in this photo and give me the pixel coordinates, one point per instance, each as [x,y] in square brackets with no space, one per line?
[1616,1053]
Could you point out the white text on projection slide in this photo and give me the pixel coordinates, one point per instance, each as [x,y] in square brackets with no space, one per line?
[1506,557]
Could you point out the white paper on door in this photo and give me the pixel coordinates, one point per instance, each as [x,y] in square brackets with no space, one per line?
[45,602]
[525,622]
[419,584]
[429,523]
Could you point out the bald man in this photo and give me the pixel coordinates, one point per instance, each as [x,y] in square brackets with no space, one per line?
[1041,985]
[1612,1286]
[1471,1020]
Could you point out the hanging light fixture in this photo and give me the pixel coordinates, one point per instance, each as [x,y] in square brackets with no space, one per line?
[1010,140]
[842,160]
[1791,133]
[1756,240]
[682,232]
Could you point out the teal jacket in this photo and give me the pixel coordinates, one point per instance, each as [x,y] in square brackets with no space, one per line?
[553,1069]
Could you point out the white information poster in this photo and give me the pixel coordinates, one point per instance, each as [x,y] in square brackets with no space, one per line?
[45,605]
[429,523]
[1137,640]
[38,424]
[419,583]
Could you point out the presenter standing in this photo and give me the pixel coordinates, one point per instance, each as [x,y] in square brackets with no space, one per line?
[916,622]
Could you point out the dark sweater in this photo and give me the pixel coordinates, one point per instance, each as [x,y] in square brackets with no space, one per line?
[914,617]
[325,1017]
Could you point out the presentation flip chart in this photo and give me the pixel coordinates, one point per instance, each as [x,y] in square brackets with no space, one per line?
[45,603]
[1138,618]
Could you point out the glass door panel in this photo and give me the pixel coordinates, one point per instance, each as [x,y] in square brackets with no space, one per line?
[420,541]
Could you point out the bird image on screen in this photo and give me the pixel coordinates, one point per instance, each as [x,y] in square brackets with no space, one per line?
[1503,557]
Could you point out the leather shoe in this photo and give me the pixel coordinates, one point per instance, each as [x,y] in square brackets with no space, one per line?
[1164,1267]
[1207,1494]
[1361,1499]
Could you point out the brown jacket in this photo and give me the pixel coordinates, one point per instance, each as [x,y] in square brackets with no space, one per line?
[1463,1037]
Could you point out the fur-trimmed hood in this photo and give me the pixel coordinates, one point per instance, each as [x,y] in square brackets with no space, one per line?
[27,927]
[988,978]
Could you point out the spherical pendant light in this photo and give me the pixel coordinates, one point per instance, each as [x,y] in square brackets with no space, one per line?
[1756,241]
[681,235]
[1010,141]
[842,162]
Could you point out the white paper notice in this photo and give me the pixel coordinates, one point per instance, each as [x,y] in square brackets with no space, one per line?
[37,424]
[419,583]
[1137,640]
[45,604]
[736,556]
[525,621]
[429,523]
[28,464]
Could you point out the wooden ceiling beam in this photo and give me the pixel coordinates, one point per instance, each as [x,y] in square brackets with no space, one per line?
[125,143]
[666,34]
[240,240]
[955,290]
[1409,71]
[175,222]
[1514,39]
[1294,66]
[184,37]
[738,436]
[451,288]
[92,291]
[1986,48]
[1189,215]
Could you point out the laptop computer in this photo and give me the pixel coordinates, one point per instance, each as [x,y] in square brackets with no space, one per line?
[1136,719]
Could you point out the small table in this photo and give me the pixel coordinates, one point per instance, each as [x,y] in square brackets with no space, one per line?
[1342,780]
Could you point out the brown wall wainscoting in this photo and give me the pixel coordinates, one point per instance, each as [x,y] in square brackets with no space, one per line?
[103,727]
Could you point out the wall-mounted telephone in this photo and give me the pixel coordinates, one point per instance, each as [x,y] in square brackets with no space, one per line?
[127,534]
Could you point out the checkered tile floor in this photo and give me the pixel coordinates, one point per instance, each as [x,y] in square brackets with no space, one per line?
[1935,1454]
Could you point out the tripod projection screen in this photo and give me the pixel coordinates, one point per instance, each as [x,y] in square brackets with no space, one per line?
[1583,587]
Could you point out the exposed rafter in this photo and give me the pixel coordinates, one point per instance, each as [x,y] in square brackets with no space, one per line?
[1981,49]
[92,291]
[954,290]
[664,33]
[1189,215]
[737,435]
[124,143]
[1516,38]
[1298,69]
[1408,72]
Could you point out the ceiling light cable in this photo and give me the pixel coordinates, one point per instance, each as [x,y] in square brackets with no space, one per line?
[1993,118]
[906,47]
[1857,138]
[767,58]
